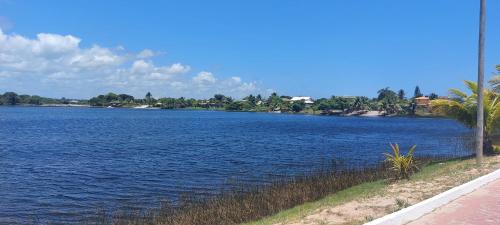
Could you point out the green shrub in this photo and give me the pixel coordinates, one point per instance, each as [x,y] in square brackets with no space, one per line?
[234,106]
[404,165]
[496,148]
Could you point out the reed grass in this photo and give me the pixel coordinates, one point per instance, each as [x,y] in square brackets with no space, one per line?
[248,203]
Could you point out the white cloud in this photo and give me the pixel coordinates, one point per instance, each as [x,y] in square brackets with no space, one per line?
[141,66]
[96,57]
[147,70]
[57,65]
[236,79]
[50,53]
[178,85]
[178,68]
[48,44]
[204,78]
[146,53]
[236,85]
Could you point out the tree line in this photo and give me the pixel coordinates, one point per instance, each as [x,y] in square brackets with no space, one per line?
[387,100]
[12,98]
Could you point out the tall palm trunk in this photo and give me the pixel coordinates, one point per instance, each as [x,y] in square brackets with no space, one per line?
[480,80]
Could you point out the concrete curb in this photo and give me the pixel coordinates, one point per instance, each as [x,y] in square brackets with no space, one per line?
[416,211]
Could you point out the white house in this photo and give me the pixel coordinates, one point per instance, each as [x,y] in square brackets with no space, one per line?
[307,100]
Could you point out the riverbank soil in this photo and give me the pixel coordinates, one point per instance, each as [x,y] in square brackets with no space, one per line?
[430,181]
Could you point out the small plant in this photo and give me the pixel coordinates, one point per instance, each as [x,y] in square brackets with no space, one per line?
[496,148]
[404,165]
[369,218]
[401,204]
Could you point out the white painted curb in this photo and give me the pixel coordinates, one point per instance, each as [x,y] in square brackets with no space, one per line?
[416,211]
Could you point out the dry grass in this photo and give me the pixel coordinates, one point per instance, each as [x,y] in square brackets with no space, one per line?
[248,204]
[431,180]
[323,197]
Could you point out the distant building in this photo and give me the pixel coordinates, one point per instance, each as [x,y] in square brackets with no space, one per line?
[115,104]
[285,99]
[307,100]
[423,101]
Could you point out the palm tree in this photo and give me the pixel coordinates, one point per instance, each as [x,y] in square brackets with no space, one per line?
[401,94]
[387,93]
[361,103]
[417,93]
[480,77]
[495,80]
[463,107]
[148,98]
[495,83]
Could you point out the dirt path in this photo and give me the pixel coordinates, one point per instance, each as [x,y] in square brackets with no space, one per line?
[399,195]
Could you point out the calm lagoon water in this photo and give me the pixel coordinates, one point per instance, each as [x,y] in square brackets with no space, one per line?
[57,164]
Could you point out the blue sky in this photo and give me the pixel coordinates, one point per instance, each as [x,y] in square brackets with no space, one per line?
[198,48]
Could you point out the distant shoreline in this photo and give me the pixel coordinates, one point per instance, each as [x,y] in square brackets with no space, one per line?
[368,114]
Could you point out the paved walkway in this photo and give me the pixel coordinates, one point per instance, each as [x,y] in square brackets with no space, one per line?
[479,207]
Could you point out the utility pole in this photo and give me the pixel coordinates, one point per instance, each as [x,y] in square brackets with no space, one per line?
[480,80]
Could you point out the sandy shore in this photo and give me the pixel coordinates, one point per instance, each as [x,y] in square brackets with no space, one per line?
[372,114]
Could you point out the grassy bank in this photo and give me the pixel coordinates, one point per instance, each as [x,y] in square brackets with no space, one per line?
[370,200]
[297,212]
[249,203]
[322,197]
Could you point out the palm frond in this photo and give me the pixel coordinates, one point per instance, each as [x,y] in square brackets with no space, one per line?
[471,85]
[453,109]
[412,149]
[402,164]
[495,82]
[463,107]
[493,117]
[455,93]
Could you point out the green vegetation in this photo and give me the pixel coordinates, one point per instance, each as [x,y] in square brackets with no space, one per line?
[404,165]
[363,190]
[112,99]
[495,81]
[417,93]
[463,108]
[388,102]
[298,106]
[12,98]
[429,172]
[287,200]
[401,204]
[247,204]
